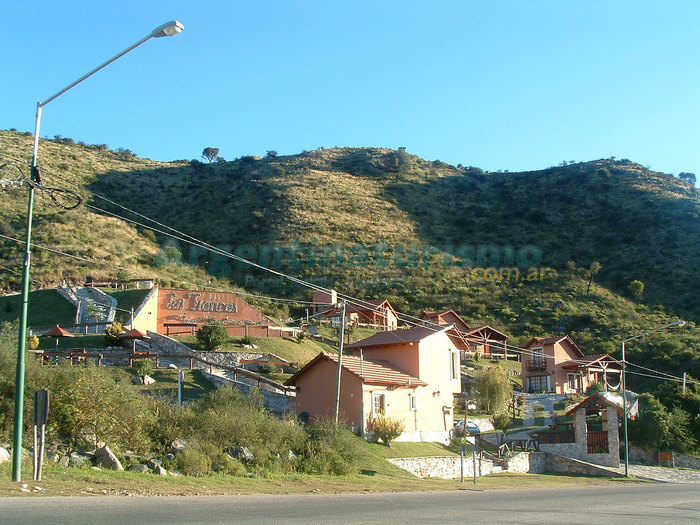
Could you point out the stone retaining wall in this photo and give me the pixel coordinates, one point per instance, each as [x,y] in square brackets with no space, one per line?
[445,467]
[541,462]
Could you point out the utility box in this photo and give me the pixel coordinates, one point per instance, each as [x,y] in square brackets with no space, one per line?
[665,458]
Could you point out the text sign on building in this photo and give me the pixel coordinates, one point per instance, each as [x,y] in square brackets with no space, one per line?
[194,302]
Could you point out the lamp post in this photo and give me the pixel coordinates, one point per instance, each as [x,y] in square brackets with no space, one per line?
[624,385]
[168,29]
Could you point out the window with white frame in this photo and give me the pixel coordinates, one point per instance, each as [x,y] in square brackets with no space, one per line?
[412,404]
[378,404]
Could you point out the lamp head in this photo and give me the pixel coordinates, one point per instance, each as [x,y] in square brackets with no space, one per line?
[680,322]
[171,28]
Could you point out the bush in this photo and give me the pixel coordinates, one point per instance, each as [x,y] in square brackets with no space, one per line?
[247,340]
[33,342]
[193,461]
[112,333]
[387,429]
[212,335]
[330,449]
[595,386]
[143,367]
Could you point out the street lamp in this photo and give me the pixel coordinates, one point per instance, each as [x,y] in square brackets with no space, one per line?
[624,385]
[168,29]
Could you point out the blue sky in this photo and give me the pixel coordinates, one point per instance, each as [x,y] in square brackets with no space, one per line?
[502,85]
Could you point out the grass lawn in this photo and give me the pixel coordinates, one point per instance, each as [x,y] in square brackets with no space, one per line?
[126,300]
[46,308]
[300,352]
[78,341]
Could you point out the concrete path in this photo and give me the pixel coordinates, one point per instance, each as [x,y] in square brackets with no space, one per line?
[547,401]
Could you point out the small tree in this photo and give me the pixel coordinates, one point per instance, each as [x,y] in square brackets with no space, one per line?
[636,288]
[591,274]
[501,422]
[212,335]
[210,153]
[493,390]
[387,429]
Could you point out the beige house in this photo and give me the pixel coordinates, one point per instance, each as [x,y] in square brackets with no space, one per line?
[410,375]
[556,364]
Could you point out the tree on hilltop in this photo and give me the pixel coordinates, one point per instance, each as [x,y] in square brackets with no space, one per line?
[210,153]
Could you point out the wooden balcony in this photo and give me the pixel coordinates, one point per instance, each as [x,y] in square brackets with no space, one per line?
[536,364]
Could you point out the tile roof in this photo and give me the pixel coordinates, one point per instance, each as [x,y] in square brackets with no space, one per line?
[373,372]
[406,335]
[582,362]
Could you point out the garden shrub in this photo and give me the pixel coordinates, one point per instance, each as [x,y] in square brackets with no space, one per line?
[387,429]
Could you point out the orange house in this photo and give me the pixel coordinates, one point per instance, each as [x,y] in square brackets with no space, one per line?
[483,340]
[557,364]
[410,375]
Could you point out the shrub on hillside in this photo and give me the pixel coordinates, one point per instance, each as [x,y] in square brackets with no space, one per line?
[330,449]
[212,335]
[387,429]
[143,367]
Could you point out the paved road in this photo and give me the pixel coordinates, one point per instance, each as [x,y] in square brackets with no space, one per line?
[625,503]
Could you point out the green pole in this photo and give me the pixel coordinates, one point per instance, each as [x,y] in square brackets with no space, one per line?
[21,349]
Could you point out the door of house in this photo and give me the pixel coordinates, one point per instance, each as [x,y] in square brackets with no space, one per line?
[573,383]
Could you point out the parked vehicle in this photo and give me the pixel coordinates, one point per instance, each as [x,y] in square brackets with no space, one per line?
[471,427]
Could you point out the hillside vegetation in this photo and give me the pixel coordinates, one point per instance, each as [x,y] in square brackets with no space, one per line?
[376,222]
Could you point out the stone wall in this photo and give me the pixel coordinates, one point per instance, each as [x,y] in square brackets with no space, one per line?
[541,462]
[681,460]
[445,467]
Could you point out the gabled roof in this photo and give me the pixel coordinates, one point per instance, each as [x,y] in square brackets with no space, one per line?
[429,316]
[406,335]
[486,328]
[363,306]
[590,360]
[372,372]
[546,341]
[599,400]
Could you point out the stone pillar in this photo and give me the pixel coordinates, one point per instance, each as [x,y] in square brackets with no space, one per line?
[613,437]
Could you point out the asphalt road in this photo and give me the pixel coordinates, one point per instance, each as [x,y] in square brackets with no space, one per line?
[629,503]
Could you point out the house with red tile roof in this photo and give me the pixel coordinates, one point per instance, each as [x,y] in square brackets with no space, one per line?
[483,340]
[410,375]
[557,364]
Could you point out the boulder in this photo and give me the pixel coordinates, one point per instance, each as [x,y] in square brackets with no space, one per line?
[291,456]
[148,380]
[170,457]
[4,455]
[104,457]
[160,471]
[153,463]
[172,366]
[64,461]
[78,460]
[138,380]
[243,454]
[139,467]
[178,446]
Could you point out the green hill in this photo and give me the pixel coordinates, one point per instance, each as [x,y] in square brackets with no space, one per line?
[383,223]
